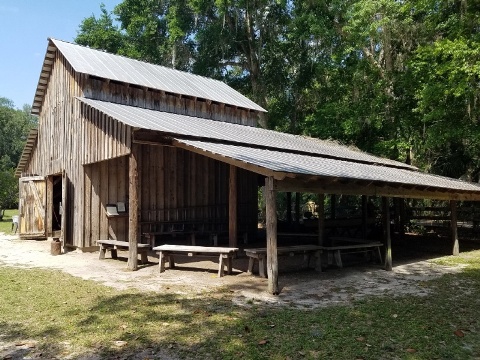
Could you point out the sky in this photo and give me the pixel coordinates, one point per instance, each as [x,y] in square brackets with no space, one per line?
[25,26]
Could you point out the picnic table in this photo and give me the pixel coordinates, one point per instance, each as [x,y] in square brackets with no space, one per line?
[114,245]
[168,252]
[338,247]
[260,255]
[345,245]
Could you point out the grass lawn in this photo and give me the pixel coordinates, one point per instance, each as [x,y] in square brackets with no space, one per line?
[67,315]
[6,223]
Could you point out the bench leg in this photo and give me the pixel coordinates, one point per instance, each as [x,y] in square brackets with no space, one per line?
[229,264]
[338,258]
[221,265]
[144,257]
[250,265]
[102,252]
[114,253]
[171,261]
[261,266]
[318,261]
[379,255]
[161,261]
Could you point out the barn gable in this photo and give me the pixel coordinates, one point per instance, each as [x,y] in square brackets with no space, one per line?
[115,68]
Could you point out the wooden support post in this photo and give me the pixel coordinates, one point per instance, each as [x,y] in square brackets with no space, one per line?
[297,208]
[232,207]
[403,217]
[49,212]
[289,208]
[272,256]
[453,226]
[321,219]
[333,206]
[364,216]
[133,192]
[386,231]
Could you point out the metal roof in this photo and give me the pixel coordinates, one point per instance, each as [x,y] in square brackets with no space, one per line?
[183,125]
[286,162]
[119,68]
[27,149]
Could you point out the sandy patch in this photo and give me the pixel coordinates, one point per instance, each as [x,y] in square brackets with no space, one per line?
[302,289]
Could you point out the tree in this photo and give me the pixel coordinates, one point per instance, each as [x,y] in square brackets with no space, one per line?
[447,88]
[14,128]
[101,33]
[220,39]
[386,76]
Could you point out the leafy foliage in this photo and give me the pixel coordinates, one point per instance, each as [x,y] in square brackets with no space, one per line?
[14,127]
[398,79]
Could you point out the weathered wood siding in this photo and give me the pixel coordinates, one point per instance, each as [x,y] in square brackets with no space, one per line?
[178,185]
[103,137]
[113,91]
[91,149]
[106,182]
[59,143]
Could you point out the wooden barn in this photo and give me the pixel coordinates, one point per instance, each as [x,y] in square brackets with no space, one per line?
[126,149]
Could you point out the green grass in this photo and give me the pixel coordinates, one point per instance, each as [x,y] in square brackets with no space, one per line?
[52,307]
[6,222]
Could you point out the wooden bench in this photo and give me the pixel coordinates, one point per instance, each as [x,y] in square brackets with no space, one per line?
[260,254]
[114,245]
[224,254]
[350,245]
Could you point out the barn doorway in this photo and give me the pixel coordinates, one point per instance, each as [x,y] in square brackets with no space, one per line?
[56,207]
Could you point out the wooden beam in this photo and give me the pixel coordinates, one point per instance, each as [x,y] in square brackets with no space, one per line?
[289,208]
[333,206]
[323,185]
[297,208]
[364,216]
[453,226]
[403,217]
[387,235]
[232,207]
[240,164]
[49,212]
[152,137]
[321,219]
[133,194]
[272,256]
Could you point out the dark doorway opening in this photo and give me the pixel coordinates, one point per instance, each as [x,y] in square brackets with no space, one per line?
[57,203]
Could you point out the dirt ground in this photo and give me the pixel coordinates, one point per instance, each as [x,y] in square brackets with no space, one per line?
[302,289]
[299,288]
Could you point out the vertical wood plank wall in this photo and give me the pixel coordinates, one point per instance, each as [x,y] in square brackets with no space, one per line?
[113,91]
[177,185]
[59,142]
[91,149]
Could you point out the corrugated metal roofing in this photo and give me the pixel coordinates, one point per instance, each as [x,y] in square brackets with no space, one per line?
[210,129]
[114,67]
[308,165]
